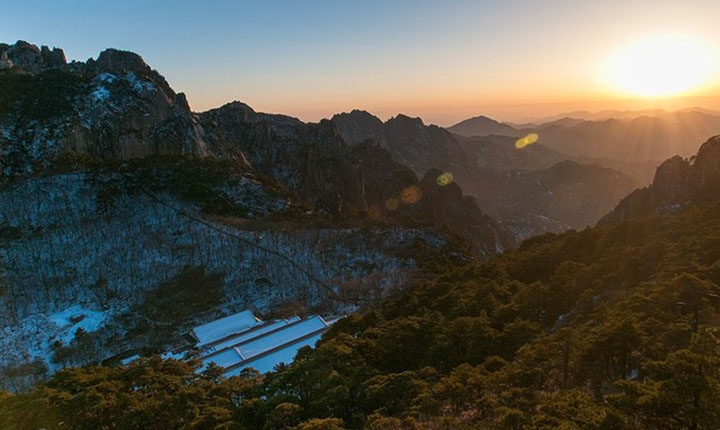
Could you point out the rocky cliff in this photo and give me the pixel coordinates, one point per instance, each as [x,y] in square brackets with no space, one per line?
[115,107]
[678,183]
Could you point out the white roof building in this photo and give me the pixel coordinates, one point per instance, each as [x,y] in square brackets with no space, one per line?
[242,341]
[224,327]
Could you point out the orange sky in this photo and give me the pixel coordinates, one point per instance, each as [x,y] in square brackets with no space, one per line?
[513,60]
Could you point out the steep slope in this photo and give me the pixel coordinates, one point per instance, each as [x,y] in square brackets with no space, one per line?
[314,161]
[678,183]
[310,159]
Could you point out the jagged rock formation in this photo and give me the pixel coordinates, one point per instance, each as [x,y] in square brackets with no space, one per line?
[114,108]
[315,162]
[678,182]
[310,159]
[31,59]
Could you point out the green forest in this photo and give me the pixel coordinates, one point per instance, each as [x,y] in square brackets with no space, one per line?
[608,328]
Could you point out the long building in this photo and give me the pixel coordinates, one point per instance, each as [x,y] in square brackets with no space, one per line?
[242,341]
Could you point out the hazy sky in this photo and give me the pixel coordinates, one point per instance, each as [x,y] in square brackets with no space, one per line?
[442,60]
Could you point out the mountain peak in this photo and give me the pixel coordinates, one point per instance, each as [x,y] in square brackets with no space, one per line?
[483,126]
[120,62]
[29,57]
[405,119]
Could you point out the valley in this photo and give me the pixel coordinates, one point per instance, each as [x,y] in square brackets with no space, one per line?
[460,277]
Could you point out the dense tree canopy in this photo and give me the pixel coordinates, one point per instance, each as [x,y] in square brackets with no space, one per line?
[607,328]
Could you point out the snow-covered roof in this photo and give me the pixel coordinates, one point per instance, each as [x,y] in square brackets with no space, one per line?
[267,362]
[249,334]
[266,346]
[224,327]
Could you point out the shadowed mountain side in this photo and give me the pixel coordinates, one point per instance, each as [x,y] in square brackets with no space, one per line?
[499,154]
[566,195]
[678,183]
[310,159]
[392,191]
[410,142]
[518,187]
[314,161]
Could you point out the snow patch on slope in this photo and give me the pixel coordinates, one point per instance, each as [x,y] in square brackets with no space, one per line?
[76,318]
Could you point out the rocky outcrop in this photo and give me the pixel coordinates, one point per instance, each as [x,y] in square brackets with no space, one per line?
[310,159]
[29,58]
[5,62]
[359,126]
[115,107]
[678,183]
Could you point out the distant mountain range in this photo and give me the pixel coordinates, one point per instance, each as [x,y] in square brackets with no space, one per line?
[610,114]
[627,136]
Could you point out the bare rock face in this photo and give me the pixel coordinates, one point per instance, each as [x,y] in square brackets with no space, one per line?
[30,58]
[115,107]
[54,58]
[5,62]
[25,55]
[310,159]
[120,62]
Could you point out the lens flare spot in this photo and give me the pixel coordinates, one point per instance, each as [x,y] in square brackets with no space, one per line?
[392,204]
[374,212]
[445,179]
[526,141]
[411,195]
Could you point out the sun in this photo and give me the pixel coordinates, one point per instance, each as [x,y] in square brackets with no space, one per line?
[662,66]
